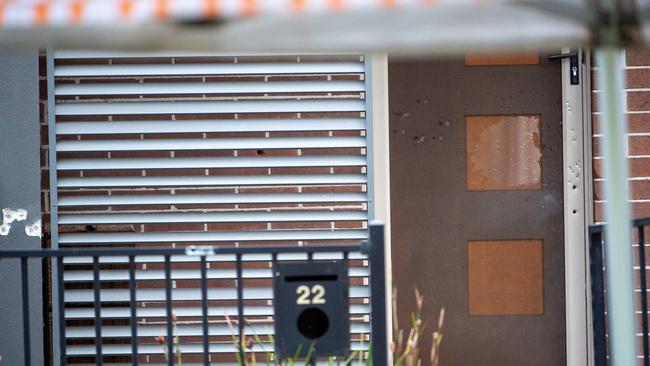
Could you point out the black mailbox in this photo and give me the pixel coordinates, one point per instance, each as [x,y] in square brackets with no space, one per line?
[311,308]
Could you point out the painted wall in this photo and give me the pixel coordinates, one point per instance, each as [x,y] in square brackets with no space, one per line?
[19,189]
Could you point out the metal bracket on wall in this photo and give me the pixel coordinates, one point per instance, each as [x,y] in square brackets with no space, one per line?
[574,65]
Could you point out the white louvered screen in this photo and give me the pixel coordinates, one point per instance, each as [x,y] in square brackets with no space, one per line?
[158,151]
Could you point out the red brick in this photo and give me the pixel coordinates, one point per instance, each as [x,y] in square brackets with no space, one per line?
[222,79]
[638,101]
[351,77]
[44,157]
[332,189]
[111,173]
[86,61]
[639,189]
[349,224]
[300,225]
[269,152]
[637,57]
[595,102]
[175,172]
[173,135]
[85,118]
[182,191]
[639,145]
[217,135]
[332,152]
[638,122]
[199,153]
[248,226]
[142,117]
[175,227]
[639,210]
[314,170]
[242,171]
[348,170]
[84,193]
[82,155]
[45,179]
[299,134]
[140,154]
[637,78]
[640,167]
[331,114]
[190,116]
[280,189]
[347,133]
[204,59]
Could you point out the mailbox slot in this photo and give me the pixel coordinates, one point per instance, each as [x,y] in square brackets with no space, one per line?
[311,304]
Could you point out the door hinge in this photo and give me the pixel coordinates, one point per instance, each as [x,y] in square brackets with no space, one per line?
[574,65]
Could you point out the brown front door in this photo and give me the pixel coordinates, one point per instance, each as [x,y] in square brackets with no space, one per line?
[477,210]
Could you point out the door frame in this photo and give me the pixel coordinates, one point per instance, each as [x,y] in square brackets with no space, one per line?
[379,168]
[578,207]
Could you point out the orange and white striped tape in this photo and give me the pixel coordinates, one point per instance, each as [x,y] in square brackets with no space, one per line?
[33,13]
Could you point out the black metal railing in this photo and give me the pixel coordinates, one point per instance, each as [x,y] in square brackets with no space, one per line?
[597,267]
[371,251]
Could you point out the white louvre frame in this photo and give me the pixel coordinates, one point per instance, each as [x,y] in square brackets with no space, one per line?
[277,143]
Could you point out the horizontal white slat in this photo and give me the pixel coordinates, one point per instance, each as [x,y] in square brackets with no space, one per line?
[186,294]
[236,180]
[205,199]
[144,349]
[209,162]
[186,330]
[212,258]
[125,349]
[291,68]
[190,217]
[93,54]
[212,144]
[184,274]
[184,311]
[249,87]
[207,107]
[223,125]
[229,236]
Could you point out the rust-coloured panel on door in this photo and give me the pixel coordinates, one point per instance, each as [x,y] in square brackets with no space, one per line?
[435,215]
[503,153]
[505,277]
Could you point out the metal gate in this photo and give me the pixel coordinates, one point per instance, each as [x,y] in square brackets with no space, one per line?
[204,336]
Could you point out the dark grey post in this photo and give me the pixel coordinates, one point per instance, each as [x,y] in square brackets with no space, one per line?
[20,188]
[598,296]
[377,258]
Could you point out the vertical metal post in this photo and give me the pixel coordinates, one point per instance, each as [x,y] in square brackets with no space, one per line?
[204,311]
[26,324]
[378,324]
[59,315]
[598,297]
[168,310]
[618,244]
[98,308]
[644,295]
[57,350]
[133,306]
[370,166]
[240,311]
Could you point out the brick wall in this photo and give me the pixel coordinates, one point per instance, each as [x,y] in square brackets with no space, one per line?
[637,93]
